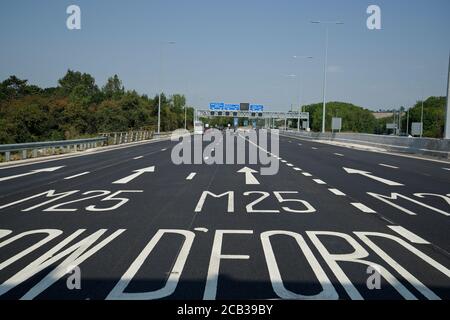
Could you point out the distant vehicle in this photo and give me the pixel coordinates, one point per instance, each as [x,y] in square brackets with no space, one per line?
[198,127]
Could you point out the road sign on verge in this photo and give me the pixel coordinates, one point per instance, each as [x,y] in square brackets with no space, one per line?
[416,128]
[336,124]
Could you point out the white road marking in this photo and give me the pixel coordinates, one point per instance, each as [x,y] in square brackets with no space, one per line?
[337,192]
[318,181]
[314,148]
[363,207]
[249,177]
[201,229]
[306,174]
[136,174]
[408,235]
[136,158]
[191,176]
[448,169]
[284,161]
[164,149]
[300,144]
[387,166]
[339,154]
[369,175]
[77,175]
[289,164]
[31,172]
[297,169]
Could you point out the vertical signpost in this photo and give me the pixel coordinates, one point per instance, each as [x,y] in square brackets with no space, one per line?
[416,129]
[336,124]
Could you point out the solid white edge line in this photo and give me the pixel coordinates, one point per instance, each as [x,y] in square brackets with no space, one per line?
[89,152]
[378,151]
[362,207]
[405,233]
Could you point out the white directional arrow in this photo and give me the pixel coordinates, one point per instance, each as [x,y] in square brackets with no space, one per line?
[249,177]
[30,173]
[136,174]
[371,176]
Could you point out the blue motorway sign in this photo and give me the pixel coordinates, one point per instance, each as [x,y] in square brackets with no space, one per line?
[216,106]
[231,107]
[256,107]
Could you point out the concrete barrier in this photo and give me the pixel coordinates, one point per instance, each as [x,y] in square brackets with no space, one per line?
[425,146]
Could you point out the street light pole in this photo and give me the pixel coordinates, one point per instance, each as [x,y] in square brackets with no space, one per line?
[161,80]
[300,86]
[407,123]
[327,23]
[325,83]
[185,111]
[421,120]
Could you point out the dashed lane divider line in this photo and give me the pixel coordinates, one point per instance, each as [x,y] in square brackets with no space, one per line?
[387,166]
[408,235]
[77,175]
[191,176]
[362,207]
[337,192]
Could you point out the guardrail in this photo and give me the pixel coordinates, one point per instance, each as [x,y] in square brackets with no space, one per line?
[22,151]
[127,136]
[33,149]
[425,146]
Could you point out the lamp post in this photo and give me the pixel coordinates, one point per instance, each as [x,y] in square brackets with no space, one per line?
[300,85]
[161,80]
[327,24]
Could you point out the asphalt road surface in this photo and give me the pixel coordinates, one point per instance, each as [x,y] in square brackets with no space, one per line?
[333,223]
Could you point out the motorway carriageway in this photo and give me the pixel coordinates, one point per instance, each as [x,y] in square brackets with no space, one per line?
[140,227]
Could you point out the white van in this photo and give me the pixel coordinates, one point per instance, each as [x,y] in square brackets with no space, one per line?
[198,127]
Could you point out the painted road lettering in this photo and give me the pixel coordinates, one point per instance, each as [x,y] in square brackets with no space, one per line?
[75,248]
[389,199]
[105,195]
[302,206]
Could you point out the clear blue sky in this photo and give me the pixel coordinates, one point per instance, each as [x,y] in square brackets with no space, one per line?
[235,50]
